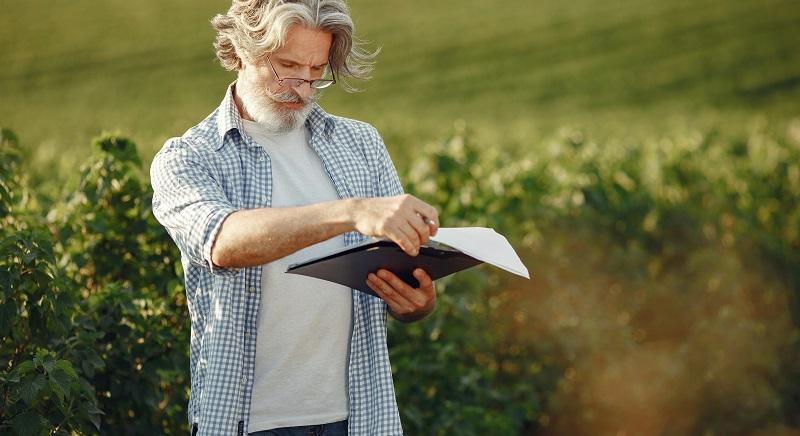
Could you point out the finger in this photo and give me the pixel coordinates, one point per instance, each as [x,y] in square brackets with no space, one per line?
[426,210]
[377,289]
[426,286]
[412,237]
[401,304]
[412,233]
[430,217]
[422,229]
[425,281]
[403,289]
[373,284]
[402,239]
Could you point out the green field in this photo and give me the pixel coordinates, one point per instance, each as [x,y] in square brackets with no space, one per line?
[514,71]
[642,157]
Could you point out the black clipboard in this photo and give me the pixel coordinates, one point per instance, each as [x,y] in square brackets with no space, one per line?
[351,266]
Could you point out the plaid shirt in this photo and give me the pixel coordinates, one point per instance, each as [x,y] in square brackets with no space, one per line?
[215,169]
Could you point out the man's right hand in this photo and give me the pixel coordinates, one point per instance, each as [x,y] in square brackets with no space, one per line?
[401,219]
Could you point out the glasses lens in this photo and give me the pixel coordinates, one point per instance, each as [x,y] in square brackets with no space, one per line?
[321,83]
[326,80]
[295,83]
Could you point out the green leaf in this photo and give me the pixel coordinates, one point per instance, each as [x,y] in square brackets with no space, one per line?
[8,378]
[29,257]
[24,367]
[64,382]
[119,147]
[67,368]
[57,389]
[5,282]
[8,313]
[29,389]
[47,360]
[91,362]
[8,139]
[29,423]
[41,355]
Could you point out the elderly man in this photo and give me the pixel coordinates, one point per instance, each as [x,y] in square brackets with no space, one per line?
[269,179]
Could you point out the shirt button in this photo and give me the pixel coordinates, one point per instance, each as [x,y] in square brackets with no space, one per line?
[252,289]
[244,380]
[261,158]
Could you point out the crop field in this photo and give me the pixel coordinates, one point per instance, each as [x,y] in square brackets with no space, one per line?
[514,71]
[642,157]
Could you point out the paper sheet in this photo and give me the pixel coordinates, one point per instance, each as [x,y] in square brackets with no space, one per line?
[483,244]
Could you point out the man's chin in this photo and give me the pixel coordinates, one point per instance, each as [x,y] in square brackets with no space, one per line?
[283,119]
[292,105]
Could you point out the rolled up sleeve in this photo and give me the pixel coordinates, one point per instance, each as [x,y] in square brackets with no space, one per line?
[190,203]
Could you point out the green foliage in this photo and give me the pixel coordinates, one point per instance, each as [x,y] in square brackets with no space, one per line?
[517,68]
[96,320]
[41,391]
[455,373]
[10,189]
[133,296]
[95,327]
[653,206]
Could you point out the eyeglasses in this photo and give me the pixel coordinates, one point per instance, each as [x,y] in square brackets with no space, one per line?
[295,82]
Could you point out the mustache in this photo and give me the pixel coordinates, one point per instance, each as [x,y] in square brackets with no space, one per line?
[292,97]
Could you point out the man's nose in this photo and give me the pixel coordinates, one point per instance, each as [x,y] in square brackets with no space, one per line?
[305,90]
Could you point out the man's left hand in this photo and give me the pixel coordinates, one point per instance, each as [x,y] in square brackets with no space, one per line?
[405,302]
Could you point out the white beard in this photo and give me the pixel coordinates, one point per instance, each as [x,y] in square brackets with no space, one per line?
[261,104]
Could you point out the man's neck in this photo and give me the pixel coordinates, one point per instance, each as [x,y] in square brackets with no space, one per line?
[239,106]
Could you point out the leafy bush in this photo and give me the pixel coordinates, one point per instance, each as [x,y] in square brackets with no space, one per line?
[638,253]
[128,269]
[106,296]
[593,218]
[41,389]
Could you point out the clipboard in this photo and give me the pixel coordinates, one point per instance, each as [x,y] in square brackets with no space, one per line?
[351,266]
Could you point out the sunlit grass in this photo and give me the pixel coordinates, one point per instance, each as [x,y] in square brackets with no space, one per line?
[514,71]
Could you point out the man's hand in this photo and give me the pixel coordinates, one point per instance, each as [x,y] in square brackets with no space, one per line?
[405,303]
[251,237]
[401,219]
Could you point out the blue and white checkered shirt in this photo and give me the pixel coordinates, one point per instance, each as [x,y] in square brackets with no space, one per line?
[215,169]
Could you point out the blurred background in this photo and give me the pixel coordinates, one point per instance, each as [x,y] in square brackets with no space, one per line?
[643,157]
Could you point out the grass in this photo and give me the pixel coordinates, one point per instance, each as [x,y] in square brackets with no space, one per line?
[514,71]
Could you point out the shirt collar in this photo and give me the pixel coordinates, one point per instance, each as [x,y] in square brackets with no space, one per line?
[319,122]
[228,117]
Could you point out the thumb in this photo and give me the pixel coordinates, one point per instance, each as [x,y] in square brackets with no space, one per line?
[425,281]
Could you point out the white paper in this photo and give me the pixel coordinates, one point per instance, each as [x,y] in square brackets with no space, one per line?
[483,244]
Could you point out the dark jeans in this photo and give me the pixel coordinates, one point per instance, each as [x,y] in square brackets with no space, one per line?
[332,429]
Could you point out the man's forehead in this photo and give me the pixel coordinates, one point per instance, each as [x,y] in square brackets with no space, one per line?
[296,60]
[305,46]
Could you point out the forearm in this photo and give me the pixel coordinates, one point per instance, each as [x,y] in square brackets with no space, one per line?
[257,236]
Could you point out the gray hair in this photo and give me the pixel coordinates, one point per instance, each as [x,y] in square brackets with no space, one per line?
[254,28]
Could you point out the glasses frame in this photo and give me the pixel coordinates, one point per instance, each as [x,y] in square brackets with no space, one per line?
[320,83]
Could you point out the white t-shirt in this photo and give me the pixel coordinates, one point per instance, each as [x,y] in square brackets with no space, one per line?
[303,323]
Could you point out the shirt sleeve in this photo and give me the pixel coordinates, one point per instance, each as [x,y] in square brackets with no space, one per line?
[190,203]
[388,181]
